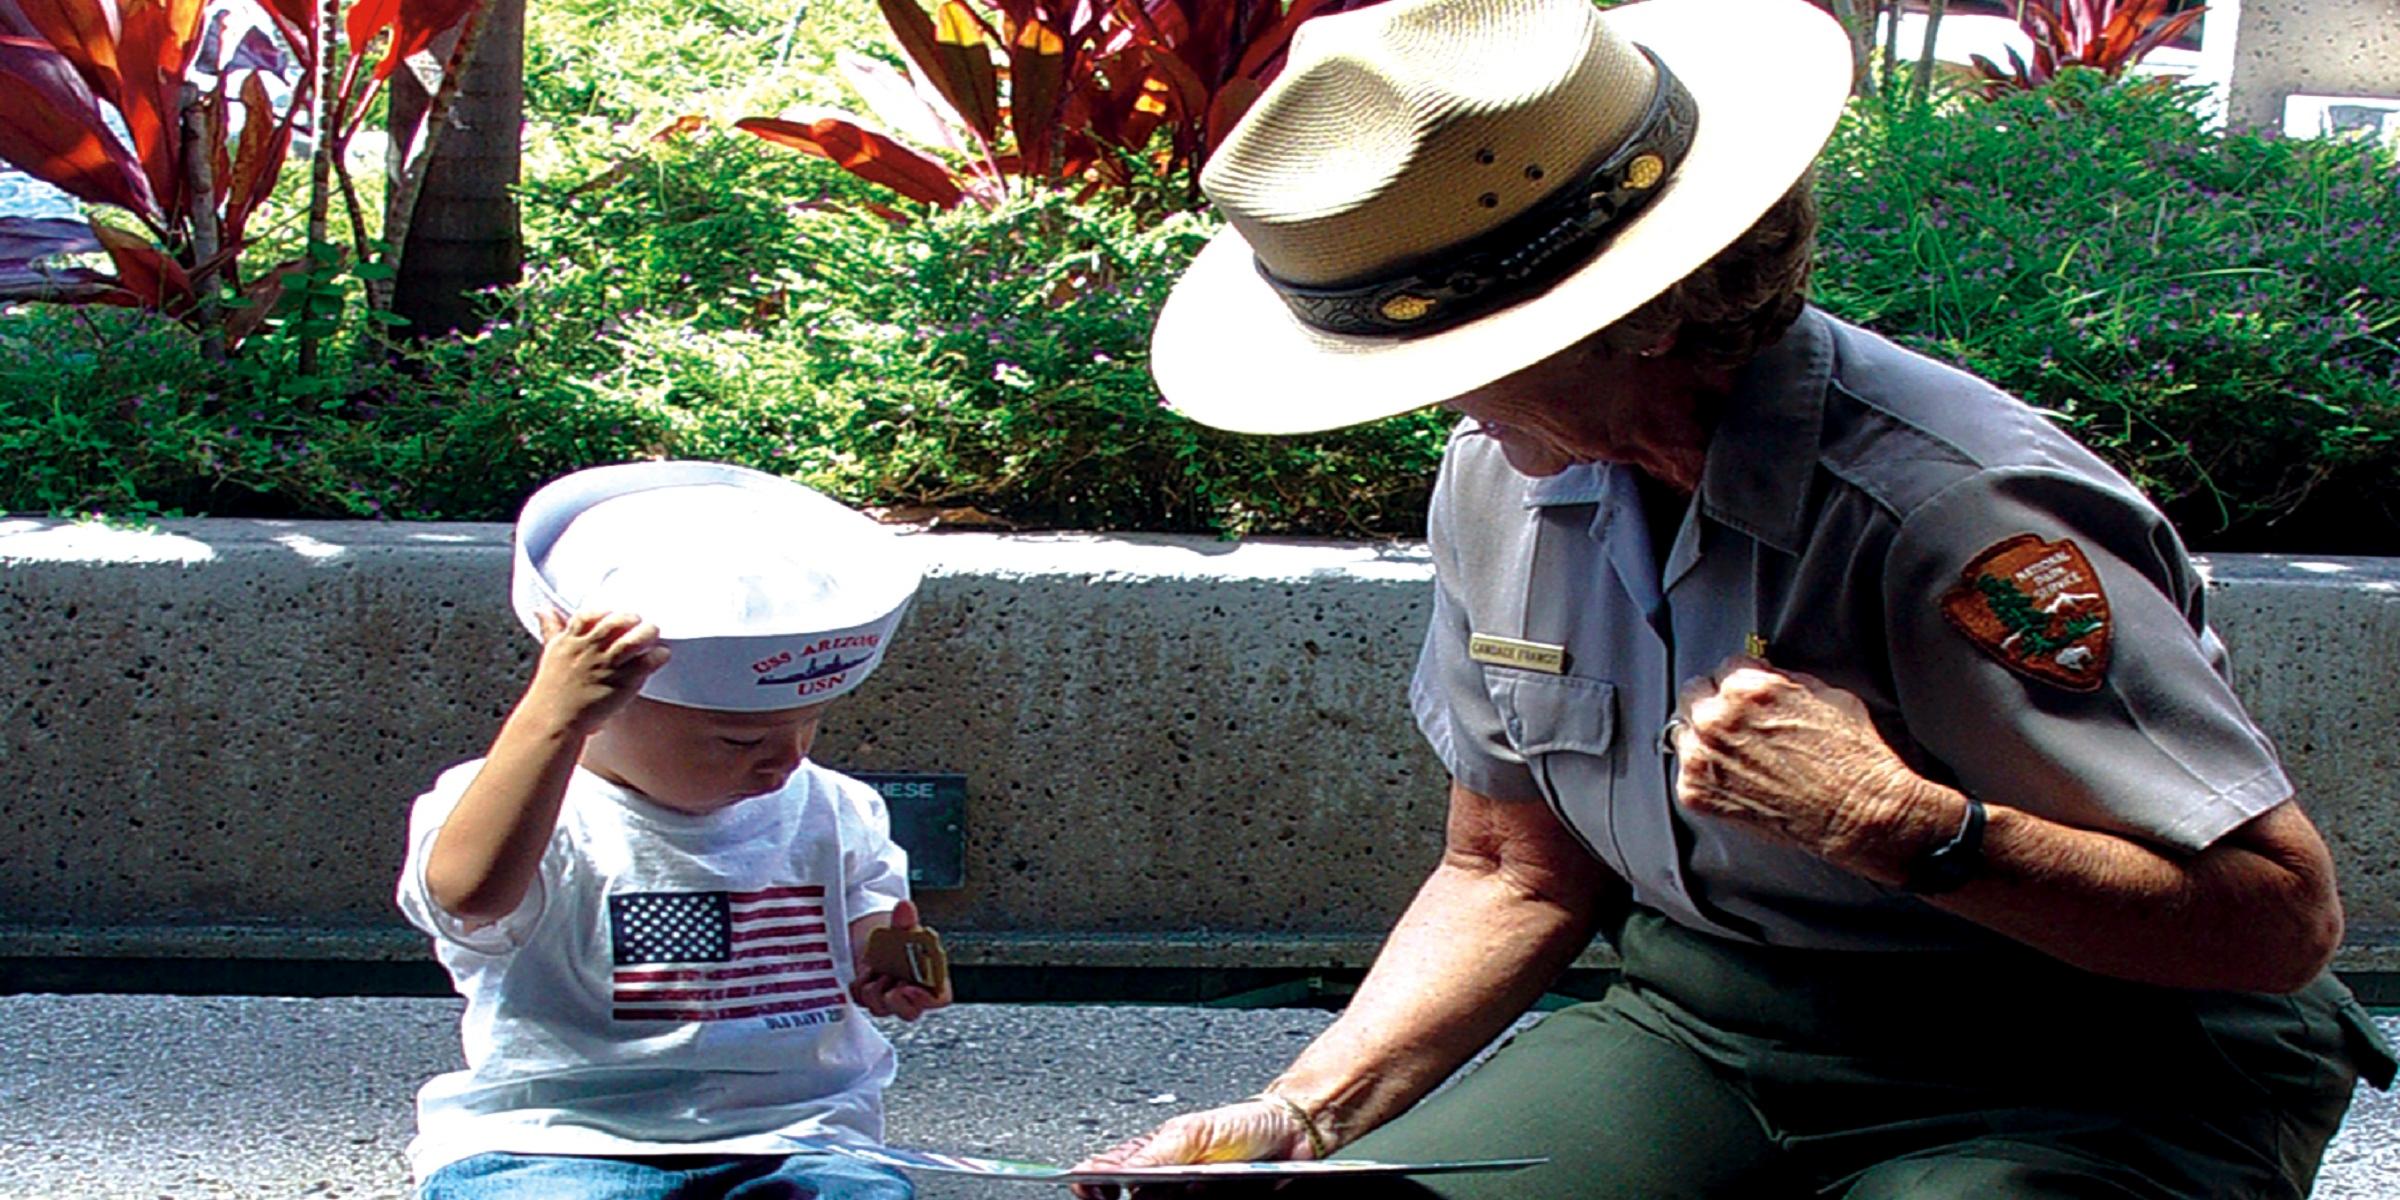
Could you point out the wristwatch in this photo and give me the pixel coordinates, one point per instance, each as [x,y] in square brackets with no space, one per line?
[1947,867]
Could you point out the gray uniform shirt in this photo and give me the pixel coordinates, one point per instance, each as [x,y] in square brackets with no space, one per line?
[1849,493]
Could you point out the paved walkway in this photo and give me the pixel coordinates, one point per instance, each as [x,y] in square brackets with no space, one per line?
[180,1098]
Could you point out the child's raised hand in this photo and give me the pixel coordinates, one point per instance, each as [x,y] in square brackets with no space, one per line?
[884,994]
[592,666]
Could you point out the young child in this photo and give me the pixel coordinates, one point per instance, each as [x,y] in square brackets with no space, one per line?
[654,904]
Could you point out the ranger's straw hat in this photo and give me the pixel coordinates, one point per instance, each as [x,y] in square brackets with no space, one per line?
[1437,193]
[771,595]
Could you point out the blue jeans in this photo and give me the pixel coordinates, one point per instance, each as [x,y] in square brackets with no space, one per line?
[805,1176]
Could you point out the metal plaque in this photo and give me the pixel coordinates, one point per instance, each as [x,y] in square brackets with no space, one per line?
[929,820]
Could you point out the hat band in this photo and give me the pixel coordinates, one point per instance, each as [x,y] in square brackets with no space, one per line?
[1533,250]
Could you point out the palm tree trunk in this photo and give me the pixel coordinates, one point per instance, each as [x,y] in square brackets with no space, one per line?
[1858,21]
[1891,46]
[460,236]
[1925,59]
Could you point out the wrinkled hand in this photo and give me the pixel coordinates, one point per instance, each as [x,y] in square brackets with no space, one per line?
[886,995]
[1254,1130]
[592,666]
[1799,759]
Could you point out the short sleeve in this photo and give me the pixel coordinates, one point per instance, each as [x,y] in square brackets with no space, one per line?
[2049,649]
[874,867]
[425,820]
[1454,709]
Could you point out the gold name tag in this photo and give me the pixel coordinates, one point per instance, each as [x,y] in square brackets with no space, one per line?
[1509,652]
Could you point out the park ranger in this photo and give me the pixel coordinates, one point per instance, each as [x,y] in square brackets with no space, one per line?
[1876,722]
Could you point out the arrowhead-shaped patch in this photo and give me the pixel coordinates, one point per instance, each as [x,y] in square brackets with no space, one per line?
[2038,608]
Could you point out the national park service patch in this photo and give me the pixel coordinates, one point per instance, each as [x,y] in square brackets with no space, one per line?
[2037,607]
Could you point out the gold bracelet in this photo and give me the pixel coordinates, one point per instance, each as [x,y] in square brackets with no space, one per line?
[1318,1148]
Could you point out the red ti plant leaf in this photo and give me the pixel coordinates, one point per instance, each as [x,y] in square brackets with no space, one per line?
[31,239]
[955,56]
[1078,155]
[153,279]
[83,31]
[26,241]
[1215,57]
[2109,36]
[154,55]
[1037,71]
[261,294]
[366,19]
[413,25]
[1262,59]
[895,99]
[258,51]
[1160,23]
[1234,99]
[297,21]
[865,153]
[265,142]
[1182,99]
[1148,52]
[1996,80]
[680,127]
[1217,34]
[966,42]
[296,12]
[1090,83]
[51,129]
[420,22]
[1118,100]
[2155,27]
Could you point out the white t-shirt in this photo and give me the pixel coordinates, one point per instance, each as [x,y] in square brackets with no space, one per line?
[672,984]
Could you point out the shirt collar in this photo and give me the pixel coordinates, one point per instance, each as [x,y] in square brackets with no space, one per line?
[1764,452]
[1583,483]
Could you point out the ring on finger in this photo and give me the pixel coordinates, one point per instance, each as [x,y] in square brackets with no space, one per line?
[1667,733]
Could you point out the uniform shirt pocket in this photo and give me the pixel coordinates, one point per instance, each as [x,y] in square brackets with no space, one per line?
[1565,726]
[1552,714]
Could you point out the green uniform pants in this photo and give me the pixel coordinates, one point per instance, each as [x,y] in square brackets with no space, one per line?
[1718,1069]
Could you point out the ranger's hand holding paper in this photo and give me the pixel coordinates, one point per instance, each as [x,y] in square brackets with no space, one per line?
[1259,1129]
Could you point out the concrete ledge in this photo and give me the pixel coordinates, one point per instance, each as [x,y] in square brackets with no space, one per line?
[1178,750]
[116,1097]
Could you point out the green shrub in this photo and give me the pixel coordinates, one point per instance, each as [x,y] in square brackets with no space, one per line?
[2218,314]
[986,360]
[93,410]
[108,411]
[638,64]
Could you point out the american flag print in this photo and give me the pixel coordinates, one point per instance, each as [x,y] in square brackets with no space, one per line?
[722,956]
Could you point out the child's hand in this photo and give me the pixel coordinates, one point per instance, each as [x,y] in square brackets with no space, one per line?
[886,995]
[592,666]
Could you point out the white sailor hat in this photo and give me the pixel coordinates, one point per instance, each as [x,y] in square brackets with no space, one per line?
[770,594]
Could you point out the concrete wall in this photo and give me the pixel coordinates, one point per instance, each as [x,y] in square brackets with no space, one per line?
[1179,751]
[2327,47]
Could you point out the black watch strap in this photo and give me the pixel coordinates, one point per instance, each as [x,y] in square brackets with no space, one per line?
[1947,867]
